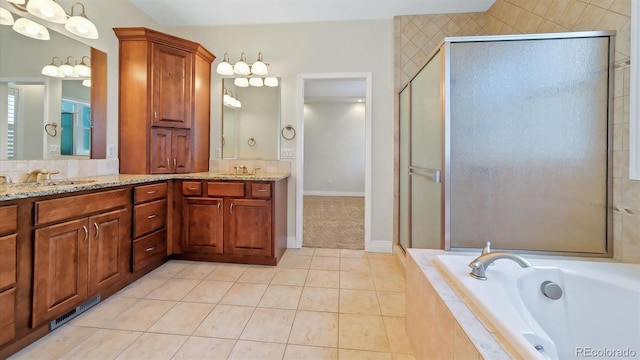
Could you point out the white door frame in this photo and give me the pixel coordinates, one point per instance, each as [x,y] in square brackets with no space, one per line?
[300,149]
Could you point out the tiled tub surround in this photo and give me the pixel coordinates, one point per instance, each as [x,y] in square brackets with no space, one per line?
[315,304]
[9,192]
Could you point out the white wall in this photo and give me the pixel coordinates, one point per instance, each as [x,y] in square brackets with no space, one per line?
[32,106]
[259,118]
[334,148]
[322,47]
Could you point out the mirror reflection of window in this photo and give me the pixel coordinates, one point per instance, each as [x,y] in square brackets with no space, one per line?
[75,137]
[8,124]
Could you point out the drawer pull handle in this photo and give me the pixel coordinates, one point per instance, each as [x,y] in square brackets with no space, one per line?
[192,188]
[152,192]
[231,209]
[175,164]
[97,230]
[261,190]
[218,206]
[151,216]
[86,232]
[150,248]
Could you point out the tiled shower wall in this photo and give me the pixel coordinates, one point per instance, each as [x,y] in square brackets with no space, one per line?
[417,36]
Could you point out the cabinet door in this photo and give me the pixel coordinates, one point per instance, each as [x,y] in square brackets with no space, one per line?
[172,78]
[203,225]
[249,227]
[181,151]
[60,269]
[161,157]
[107,249]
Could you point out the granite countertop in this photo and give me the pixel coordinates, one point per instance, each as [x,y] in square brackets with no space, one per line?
[69,185]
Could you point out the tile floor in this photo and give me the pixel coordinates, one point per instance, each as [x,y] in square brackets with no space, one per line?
[316,304]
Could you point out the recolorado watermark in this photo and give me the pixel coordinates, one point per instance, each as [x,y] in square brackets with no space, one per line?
[589,352]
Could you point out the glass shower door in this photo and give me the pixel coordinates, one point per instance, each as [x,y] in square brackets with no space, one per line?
[405,152]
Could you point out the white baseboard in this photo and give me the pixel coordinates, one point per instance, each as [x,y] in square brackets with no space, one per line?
[379,246]
[333,193]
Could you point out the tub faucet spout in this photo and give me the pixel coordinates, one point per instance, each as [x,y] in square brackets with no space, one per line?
[480,264]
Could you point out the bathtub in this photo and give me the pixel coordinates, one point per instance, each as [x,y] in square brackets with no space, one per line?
[597,316]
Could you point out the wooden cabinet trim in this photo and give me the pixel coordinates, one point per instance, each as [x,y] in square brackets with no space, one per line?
[226,189]
[149,217]
[8,219]
[60,209]
[260,190]
[146,193]
[8,261]
[7,315]
[192,188]
[148,249]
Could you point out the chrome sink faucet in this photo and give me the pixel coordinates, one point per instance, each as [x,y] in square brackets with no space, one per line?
[33,176]
[480,264]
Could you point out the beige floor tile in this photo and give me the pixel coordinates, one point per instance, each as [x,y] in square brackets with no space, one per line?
[281,297]
[248,350]
[323,278]
[104,312]
[141,316]
[244,294]
[319,299]
[364,302]
[325,263]
[348,354]
[397,334]
[258,275]
[55,344]
[269,325]
[141,287]
[356,280]
[173,289]
[295,262]
[208,291]
[199,348]
[300,352]
[363,332]
[182,319]
[407,357]
[196,271]
[169,269]
[348,253]
[285,276]
[315,328]
[392,303]
[226,273]
[373,255]
[326,252]
[302,251]
[102,344]
[225,321]
[354,264]
[385,266]
[389,282]
[153,346]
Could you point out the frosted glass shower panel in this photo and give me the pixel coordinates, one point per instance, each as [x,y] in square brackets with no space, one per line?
[529,144]
[405,107]
[426,116]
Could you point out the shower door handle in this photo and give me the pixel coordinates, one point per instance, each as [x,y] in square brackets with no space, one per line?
[431,174]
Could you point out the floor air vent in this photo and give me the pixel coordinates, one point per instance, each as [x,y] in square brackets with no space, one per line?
[74,312]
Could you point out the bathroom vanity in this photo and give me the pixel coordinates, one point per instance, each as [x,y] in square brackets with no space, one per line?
[69,245]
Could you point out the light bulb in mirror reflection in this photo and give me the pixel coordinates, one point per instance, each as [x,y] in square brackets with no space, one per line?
[257,82]
[271,81]
[241,82]
[86,83]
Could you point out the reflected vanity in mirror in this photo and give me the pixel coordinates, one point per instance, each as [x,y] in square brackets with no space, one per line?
[44,117]
[252,129]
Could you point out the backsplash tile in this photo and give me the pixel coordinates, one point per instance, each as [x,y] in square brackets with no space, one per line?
[18,169]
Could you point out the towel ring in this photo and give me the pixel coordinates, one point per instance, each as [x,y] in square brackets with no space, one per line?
[251,142]
[51,129]
[288,128]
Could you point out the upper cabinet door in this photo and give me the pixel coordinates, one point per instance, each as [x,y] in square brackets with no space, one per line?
[172,77]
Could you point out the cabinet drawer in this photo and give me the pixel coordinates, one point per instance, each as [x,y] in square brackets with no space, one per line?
[218,188]
[260,190]
[149,217]
[150,192]
[149,248]
[7,315]
[7,261]
[69,207]
[192,188]
[8,219]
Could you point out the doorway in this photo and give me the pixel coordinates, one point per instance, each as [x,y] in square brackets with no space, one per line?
[333,165]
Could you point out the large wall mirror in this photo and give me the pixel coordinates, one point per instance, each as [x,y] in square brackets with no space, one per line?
[45,117]
[251,130]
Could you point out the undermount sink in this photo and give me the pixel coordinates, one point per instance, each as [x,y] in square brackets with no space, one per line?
[52,183]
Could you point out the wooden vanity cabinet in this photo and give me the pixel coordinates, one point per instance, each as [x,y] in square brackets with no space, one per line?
[234,221]
[8,271]
[164,103]
[80,248]
[149,225]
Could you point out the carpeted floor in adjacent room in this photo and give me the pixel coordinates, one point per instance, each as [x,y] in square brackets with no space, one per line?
[334,222]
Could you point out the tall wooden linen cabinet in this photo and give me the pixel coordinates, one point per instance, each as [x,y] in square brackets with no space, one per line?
[164,104]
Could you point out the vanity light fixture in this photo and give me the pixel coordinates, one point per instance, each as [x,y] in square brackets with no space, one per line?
[241,82]
[229,100]
[256,81]
[31,29]
[67,69]
[86,82]
[5,17]
[242,67]
[271,81]
[77,24]
[52,69]
[82,69]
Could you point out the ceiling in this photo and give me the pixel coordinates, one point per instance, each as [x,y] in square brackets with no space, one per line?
[243,12]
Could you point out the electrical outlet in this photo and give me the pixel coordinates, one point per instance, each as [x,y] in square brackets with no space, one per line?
[287,153]
[111,150]
[218,153]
